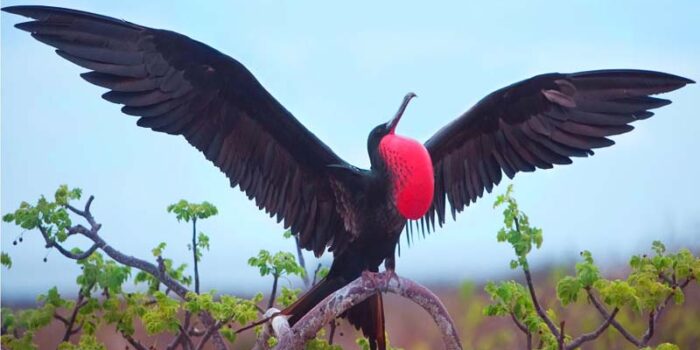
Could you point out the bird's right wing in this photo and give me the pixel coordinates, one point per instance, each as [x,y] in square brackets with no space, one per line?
[180,86]
[536,123]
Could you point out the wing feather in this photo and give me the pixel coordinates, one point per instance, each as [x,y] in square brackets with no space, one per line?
[537,123]
[180,86]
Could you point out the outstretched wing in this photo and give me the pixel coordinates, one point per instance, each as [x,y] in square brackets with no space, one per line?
[180,86]
[536,123]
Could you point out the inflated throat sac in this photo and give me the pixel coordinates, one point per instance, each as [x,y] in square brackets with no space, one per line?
[412,174]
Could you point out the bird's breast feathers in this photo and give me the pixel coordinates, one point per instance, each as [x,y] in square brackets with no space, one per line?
[411,171]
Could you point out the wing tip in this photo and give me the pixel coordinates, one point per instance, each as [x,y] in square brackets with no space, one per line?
[29,11]
[15,10]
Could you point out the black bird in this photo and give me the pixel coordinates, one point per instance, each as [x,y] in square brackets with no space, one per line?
[182,87]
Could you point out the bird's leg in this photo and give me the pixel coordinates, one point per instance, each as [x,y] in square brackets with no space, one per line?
[390,267]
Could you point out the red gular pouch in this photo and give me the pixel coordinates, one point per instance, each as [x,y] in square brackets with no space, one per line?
[411,171]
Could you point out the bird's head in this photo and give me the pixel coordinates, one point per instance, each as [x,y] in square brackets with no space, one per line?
[383,130]
[405,162]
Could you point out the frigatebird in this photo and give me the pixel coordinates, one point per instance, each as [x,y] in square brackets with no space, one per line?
[180,86]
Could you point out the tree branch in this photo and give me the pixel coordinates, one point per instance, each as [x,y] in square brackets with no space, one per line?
[318,268]
[302,263]
[194,253]
[74,314]
[99,242]
[135,343]
[356,292]
[592,335]
[533,296]
[51,243]
[601,309]
[211,330]
[273,293]
[524,329]
[182,337]
[656,313]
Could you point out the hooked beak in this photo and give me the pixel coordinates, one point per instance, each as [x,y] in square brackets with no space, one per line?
[391,125]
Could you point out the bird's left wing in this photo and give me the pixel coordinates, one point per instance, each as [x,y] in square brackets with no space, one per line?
[180,86]
[536,123]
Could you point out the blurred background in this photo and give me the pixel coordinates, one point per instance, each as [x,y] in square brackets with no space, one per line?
[341,69]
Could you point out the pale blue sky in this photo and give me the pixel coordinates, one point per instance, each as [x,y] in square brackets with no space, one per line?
[342,69]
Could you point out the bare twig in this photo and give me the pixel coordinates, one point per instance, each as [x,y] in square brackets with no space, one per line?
[211,330]
[194,255]
[592,335]
[562,334]
[51,243]
[135,343]
[601,309]
[318,268]
[273,293]
[524,329]
[183,336]
[332,332]
[356,292]
[60,318]
[540,311]
[302,263]
[74,314]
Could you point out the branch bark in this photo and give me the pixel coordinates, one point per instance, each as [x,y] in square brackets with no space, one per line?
[302,263]
[592,335]
[273,293]
[533,296]
[194,253]
[601,309]
[354,293]
[524,329]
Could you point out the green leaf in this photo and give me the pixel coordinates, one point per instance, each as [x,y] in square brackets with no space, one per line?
[678,296]
[186,211]
[280,264]
[658,247]
[5,260]
[288,296]
[587,272]
[158,250]
[568,289]
[617,293]
[228,334]
[161,316]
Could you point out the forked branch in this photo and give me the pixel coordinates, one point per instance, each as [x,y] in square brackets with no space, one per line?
[354,293]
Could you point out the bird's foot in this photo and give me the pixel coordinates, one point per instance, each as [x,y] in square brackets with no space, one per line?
[371,278]
[390,274]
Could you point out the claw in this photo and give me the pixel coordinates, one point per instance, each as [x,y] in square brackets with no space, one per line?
[370,277]
[389,275]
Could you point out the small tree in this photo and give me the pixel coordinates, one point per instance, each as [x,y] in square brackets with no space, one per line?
[186,211]
[650,286]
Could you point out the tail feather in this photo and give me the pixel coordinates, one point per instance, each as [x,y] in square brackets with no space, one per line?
[369,317]
[310,299]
